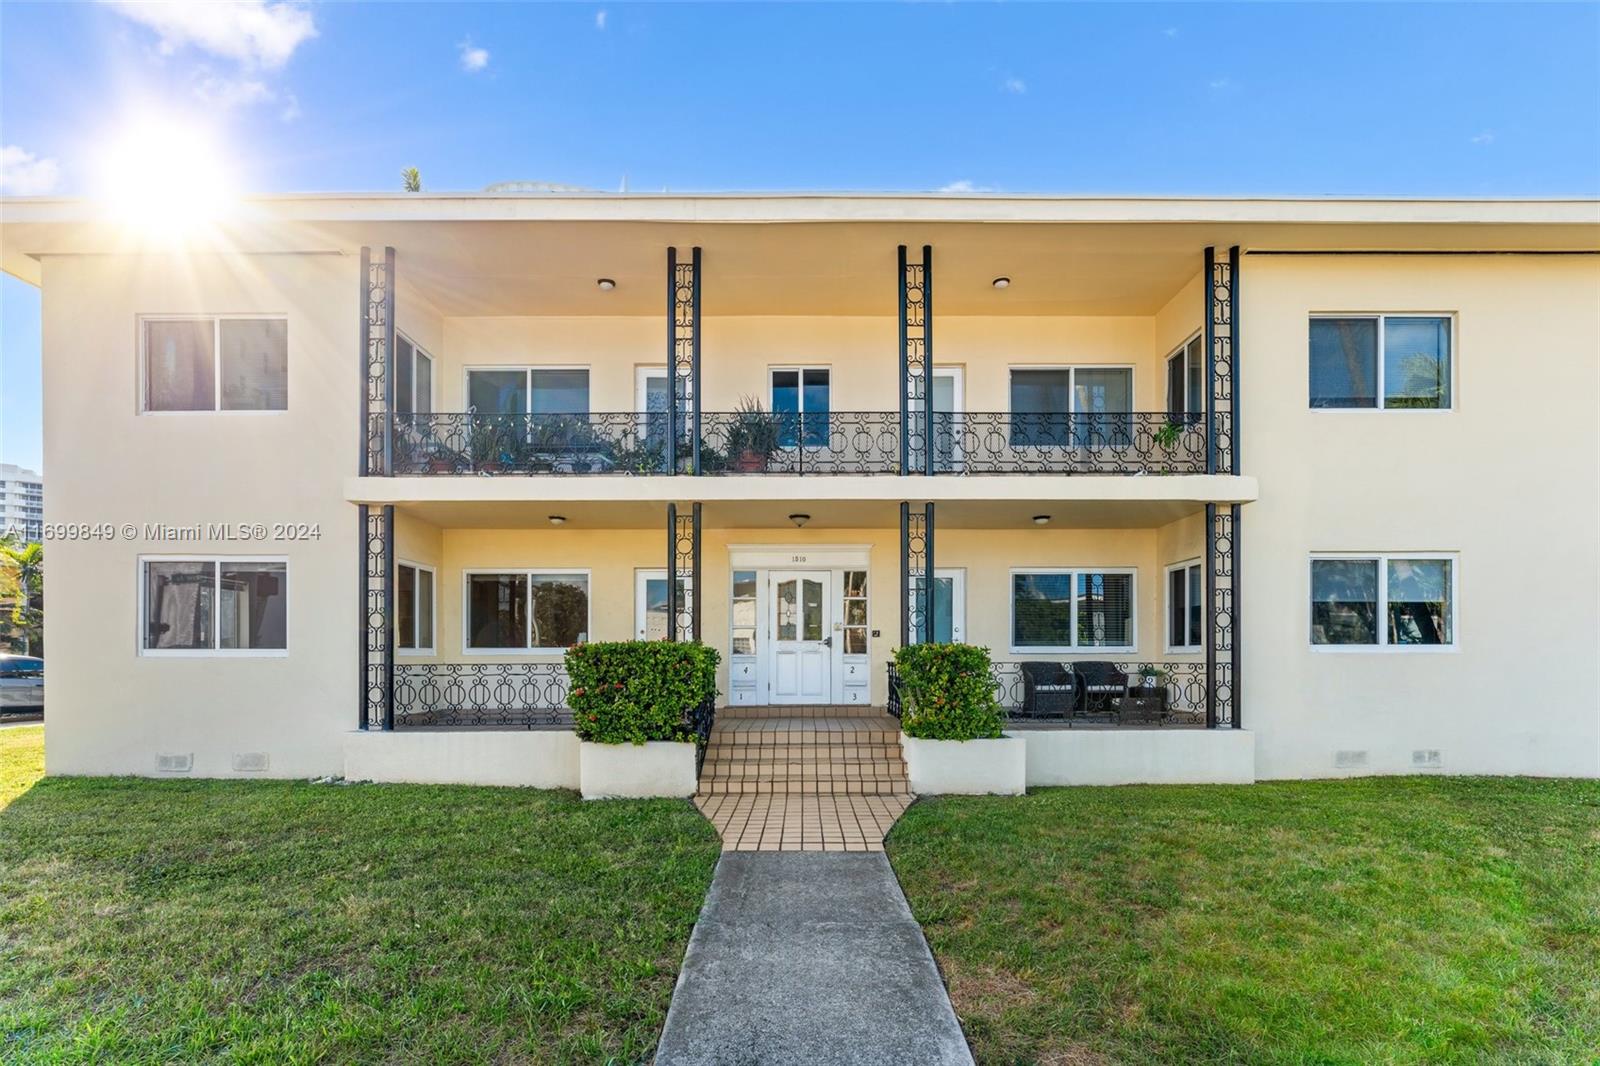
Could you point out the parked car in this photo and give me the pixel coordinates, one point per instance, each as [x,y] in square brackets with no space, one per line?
[21,684]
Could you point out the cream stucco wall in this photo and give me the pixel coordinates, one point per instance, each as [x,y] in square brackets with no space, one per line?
[1508,478]
[860,352]
[113,710]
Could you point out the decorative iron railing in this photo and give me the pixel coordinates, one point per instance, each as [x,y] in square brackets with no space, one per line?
[1151,693]
[500,695]
[764,442]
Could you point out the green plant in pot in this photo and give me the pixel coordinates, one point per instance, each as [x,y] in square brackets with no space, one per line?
[753,437]
[947,692]
[1152,679]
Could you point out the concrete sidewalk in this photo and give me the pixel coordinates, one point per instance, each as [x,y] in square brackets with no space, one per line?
[809,958]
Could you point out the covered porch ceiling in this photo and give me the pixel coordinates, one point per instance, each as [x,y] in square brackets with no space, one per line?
[471,255]
[823,514]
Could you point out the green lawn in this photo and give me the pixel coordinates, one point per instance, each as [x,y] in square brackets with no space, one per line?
[281,922]
[1379,920]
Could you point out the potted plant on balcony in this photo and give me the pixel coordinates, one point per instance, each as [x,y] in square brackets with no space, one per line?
[952,724]
[753,437]
[633,704]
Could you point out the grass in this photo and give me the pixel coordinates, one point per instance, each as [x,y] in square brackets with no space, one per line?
[284,922]
[1380,920]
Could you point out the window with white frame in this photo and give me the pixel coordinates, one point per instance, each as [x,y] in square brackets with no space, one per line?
[1185,592]
[213,605]
[1076,406]
[1070,610]
[1389,362]
[413,378]
[413,607]
[1383,601]
[525,610]
[1186,395]
[529,390]
[214,363]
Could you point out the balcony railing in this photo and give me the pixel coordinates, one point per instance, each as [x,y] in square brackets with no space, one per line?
[1152,694]
[500,696]
[834,442]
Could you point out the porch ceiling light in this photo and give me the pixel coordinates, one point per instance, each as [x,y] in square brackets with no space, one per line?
[799,519]
[1001,282]
[605,284]
[558,519]
[1041,519]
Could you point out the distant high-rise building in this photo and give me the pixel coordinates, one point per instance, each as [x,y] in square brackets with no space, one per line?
[21,502]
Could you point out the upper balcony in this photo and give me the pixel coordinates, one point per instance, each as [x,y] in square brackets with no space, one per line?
[793,443]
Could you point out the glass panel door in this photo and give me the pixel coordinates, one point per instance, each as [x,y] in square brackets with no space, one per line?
[802,649]
[949,606]
[1101,402]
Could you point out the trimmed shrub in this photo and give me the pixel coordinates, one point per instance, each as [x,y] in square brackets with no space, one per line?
[633,691]
[946,692]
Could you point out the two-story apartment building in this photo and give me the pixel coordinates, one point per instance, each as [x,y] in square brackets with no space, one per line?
[348,473]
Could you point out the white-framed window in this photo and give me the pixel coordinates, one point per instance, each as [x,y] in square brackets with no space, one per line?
[1381,362]
[224,605]
[413,378]
[1186,377]
[1068,610]
[1394,601]
[1071,406]
[415,586]
[1186,588]
[536,390]
[199,363]
[802,396]
[507,611]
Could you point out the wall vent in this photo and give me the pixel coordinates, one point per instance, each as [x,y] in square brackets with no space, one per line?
[1349,760]
[1426,759]
[249,761]
[175,764]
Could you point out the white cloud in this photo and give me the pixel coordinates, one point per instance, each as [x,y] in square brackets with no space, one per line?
[24,174]
[291,108]
[1221,83]
[1014,85]
[252,32]
[228,93]
[600,19]
[964,185]
[1170,31]
[473,59]
[1485,137]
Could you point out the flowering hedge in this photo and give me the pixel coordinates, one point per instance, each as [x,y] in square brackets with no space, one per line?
[946,692]
[633,691]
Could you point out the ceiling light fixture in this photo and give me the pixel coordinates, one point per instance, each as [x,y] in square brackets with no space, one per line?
[606,284]
[799,519]
[1001,282]
[558,519]
[1041,519]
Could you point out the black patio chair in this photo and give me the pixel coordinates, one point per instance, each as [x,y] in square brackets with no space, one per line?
[1049,690]
[1098,683]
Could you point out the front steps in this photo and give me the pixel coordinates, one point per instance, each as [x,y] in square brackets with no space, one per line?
[803,778]
[826,750]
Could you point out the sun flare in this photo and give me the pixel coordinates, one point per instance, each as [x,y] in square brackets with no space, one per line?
[165,177]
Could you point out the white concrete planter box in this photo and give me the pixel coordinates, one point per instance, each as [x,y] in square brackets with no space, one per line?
[636,771]
[1140,756]
[530,758]
[966,767]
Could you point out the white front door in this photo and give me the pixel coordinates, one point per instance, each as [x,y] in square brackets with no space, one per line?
[802,640]
[650,604]
[949,606]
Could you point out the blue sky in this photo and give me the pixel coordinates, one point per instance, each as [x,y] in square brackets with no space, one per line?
[1437,99]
